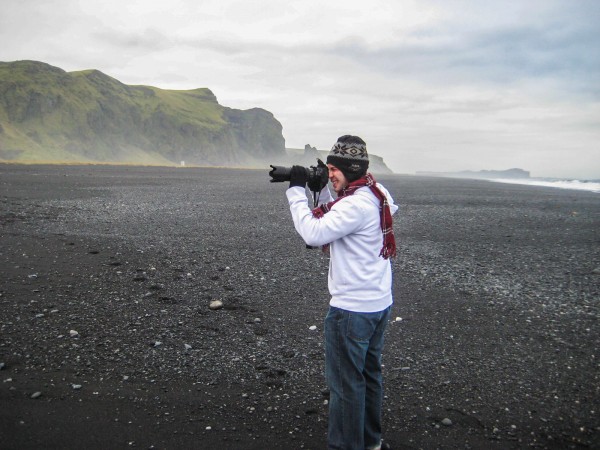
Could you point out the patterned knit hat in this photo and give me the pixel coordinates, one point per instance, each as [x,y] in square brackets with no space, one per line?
[349,154]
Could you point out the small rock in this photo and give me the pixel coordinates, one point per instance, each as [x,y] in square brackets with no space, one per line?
[73,333]
[446,422]
[312,327]
[257,320]
[157,344]
[187,346]
[216,304]
[398,319]
[2,366]
[76,386]
[37,394]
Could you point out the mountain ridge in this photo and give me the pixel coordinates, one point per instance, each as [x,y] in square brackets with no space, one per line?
[47,114]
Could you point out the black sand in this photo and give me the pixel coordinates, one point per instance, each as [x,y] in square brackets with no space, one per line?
[497,287]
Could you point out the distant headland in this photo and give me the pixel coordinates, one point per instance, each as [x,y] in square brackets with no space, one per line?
[485,174]
[309,155]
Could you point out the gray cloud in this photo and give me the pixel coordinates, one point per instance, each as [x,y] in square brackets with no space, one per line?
[146,40]
[566,56]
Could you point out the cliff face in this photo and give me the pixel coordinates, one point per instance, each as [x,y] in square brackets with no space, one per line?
[47,114]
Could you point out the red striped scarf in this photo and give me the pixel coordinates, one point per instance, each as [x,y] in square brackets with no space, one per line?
[389,241]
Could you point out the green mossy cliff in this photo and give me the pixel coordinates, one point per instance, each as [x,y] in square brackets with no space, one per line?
[49,115]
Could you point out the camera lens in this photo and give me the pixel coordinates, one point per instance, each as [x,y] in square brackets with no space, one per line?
[280,174]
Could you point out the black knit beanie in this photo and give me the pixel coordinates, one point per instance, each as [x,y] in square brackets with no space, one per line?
[349,154]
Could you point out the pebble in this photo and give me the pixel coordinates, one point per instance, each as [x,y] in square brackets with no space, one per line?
[446,422]
[37,394]
[312,327]
[187,346]
[73,333]
[216,304]
[157,344]
[2,366]
[76,386]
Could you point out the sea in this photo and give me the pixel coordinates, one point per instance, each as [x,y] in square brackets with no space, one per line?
[580,185]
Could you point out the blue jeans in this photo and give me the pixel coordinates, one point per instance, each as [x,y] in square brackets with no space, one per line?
[353,345]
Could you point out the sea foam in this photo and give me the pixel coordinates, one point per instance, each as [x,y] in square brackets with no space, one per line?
[592,185]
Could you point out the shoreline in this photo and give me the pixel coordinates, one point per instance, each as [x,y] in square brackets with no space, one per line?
[496,286]
[557,183]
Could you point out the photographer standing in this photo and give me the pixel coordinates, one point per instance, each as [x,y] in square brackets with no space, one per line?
[357,229]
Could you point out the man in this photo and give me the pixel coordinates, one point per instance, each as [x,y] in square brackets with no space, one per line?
[357,230]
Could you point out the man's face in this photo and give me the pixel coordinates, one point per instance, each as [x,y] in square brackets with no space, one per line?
[337,178]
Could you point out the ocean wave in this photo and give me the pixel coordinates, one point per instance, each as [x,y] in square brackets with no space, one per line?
[581,185]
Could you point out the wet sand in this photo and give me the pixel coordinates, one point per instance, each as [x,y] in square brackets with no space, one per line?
[108,273]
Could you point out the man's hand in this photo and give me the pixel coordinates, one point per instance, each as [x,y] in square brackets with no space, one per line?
[298,176]
[320,180]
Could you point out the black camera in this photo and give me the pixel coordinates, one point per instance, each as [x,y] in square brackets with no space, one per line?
[316,177]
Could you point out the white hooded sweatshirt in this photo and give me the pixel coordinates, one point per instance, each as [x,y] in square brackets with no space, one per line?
[359,279]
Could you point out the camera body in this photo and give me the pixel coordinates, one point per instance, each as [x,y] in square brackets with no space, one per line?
[316,176]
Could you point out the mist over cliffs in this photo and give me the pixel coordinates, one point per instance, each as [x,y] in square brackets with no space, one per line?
[308,157]
[49,115]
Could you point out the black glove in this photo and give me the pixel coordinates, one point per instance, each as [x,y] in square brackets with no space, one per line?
[298,176]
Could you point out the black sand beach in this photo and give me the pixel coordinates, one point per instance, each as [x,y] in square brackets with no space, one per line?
[107,340]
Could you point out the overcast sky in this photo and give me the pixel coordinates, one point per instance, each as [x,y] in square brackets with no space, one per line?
[430,85]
